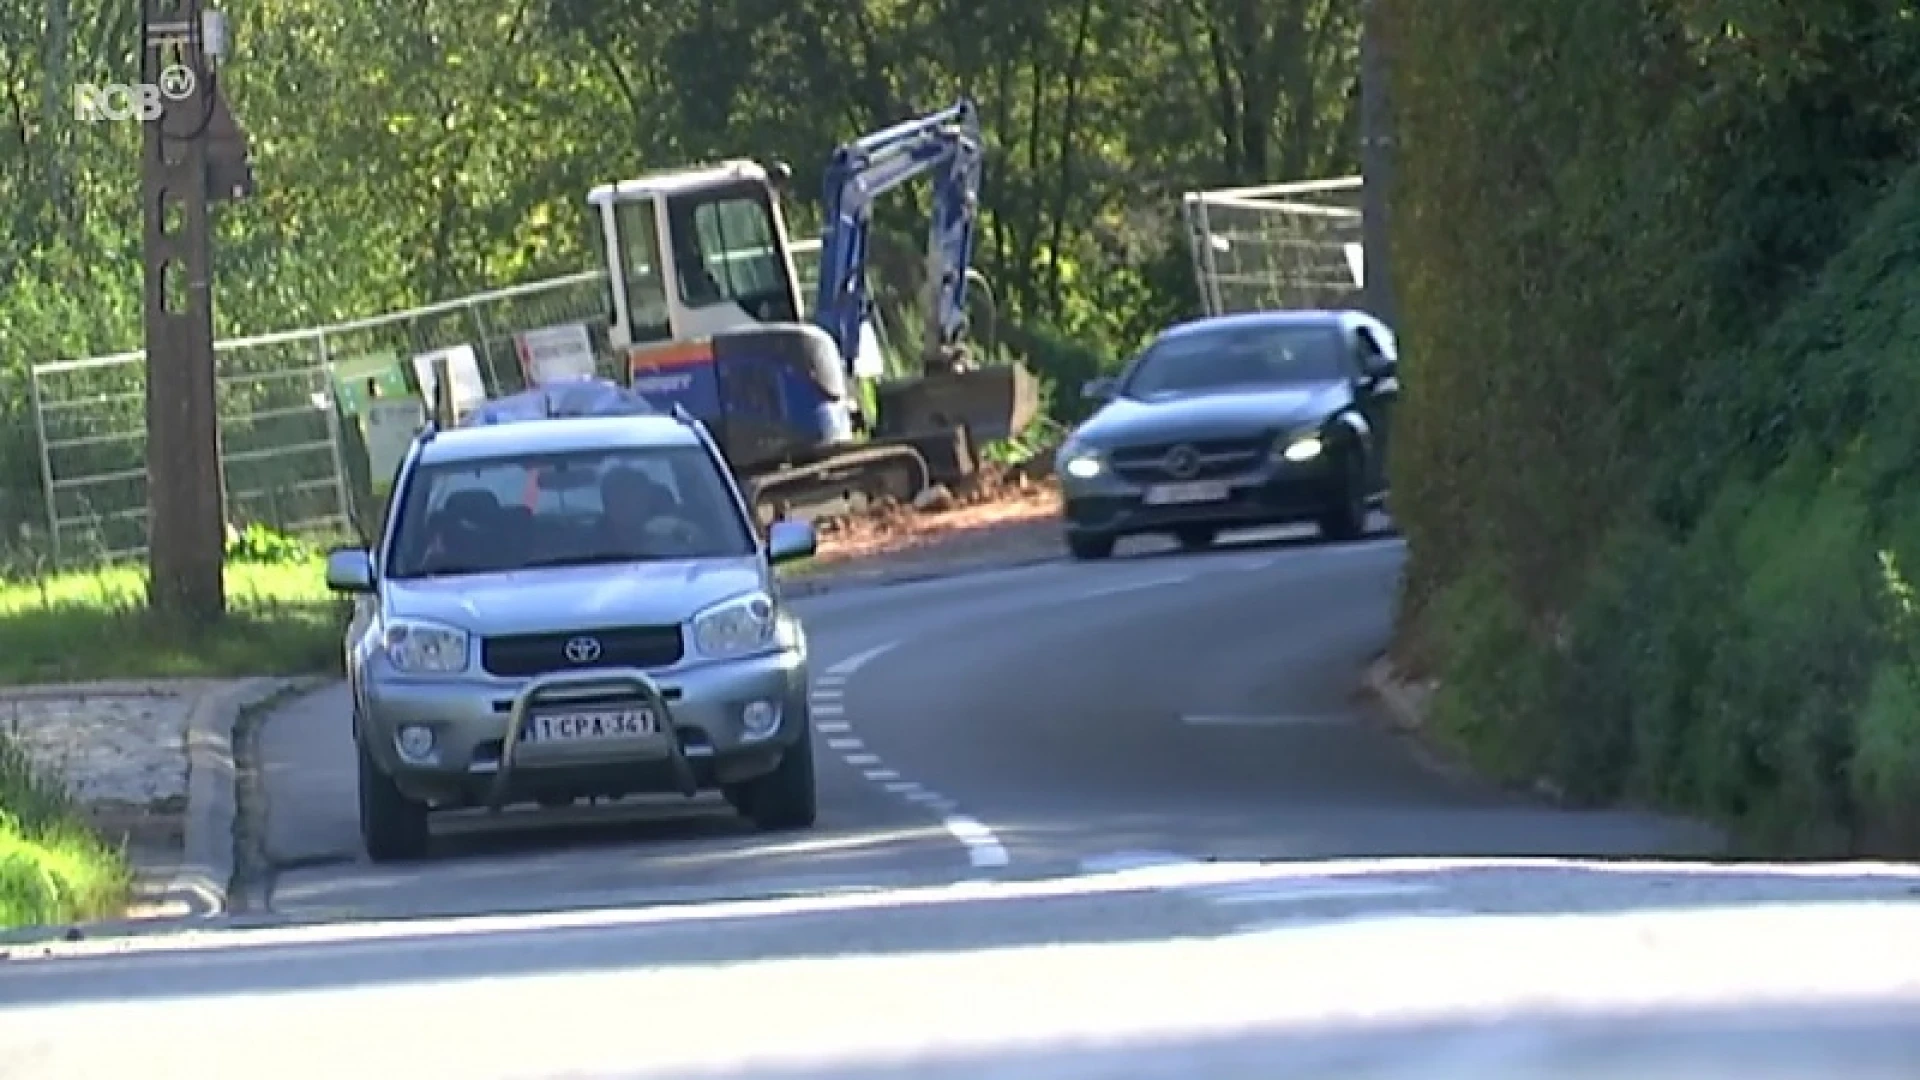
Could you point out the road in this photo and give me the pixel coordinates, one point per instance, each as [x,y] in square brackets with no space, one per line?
[1037,721]
[1115,819]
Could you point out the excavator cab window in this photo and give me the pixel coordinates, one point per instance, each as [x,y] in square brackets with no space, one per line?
[639,238]
[729,249]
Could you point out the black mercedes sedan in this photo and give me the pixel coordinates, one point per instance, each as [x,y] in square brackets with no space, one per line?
[1266,418]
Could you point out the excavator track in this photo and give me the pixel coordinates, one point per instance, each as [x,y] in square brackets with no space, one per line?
[842,485]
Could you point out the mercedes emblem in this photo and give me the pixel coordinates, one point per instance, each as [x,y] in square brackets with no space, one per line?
[583,650]
[1181,462]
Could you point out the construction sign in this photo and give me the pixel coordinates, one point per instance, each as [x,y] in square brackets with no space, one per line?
[555,354]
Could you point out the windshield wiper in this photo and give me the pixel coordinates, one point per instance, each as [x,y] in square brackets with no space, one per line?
[596,559]
[446,570]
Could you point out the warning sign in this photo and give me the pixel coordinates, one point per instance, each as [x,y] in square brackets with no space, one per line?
[555,354]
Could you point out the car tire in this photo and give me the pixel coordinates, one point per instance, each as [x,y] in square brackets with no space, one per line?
[1346,519]
[1196,538]
[1089,545]
[392,826]
[786,798]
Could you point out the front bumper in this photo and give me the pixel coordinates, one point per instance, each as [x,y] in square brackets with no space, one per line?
[1270,493]
[702,742]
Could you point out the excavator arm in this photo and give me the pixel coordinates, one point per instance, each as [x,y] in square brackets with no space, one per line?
[946,144]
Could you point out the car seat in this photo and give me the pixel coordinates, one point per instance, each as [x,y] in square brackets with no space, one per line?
[466,528]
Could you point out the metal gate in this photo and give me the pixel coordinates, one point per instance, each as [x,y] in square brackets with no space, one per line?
[1279,246]
[281,453]
[283,458]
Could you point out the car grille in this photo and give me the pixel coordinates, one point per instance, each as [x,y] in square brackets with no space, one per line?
[1216,458]
[522,655]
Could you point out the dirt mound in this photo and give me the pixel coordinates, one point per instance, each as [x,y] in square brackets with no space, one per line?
[972,520]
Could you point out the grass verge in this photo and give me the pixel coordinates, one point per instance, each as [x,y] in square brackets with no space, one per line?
[95,625]
[53,868]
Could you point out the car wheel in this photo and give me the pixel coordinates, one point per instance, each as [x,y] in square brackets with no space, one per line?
[1196,538]
[392,826]
[1089,545]
[784,798]
[1346,519]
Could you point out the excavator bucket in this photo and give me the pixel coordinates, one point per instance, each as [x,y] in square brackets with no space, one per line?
[991,403]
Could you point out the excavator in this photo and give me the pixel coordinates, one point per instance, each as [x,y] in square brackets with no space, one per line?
[705,313]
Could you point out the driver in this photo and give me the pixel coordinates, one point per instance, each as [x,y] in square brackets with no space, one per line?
[640,513]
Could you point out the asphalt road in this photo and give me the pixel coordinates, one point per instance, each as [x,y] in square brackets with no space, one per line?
[1056,718]
[1527,973]
[1122,819]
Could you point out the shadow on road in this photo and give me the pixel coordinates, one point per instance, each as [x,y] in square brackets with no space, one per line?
[1775,1042]
[1285,538]
[1121,907]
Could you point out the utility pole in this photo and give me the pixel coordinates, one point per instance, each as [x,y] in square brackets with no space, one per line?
[192,153]
[1376,158]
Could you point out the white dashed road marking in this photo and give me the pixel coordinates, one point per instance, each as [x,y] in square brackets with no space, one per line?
[827,702]
[1262,721]
[1132,586]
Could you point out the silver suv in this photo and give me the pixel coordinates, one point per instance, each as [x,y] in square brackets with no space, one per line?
[566,609]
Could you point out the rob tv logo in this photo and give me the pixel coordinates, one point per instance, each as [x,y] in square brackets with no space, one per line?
[132,101]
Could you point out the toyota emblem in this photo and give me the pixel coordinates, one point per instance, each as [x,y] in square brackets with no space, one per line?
[1181,462]
[583,650]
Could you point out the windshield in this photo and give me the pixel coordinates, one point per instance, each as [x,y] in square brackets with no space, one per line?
[1238,357]
[572,509]
[726,249]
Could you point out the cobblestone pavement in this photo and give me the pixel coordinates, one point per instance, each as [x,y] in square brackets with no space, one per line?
[120,750]
[115,747]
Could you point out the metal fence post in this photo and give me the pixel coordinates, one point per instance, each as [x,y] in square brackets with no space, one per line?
[342,498]
[46,466]
[490,377]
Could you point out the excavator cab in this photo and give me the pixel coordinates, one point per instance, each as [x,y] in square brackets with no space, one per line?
[705,311]
[694,252]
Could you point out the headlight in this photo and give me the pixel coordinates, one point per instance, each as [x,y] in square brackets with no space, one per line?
[1081,464]
[425,648]
[1299,448]
[743,625]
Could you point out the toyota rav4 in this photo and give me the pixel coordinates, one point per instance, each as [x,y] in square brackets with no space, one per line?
[572,608]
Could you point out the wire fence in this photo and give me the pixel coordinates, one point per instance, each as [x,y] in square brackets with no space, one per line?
[288,460]
[1276,247]
[284,458]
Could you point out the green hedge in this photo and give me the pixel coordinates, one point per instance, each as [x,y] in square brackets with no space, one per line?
[1657,265]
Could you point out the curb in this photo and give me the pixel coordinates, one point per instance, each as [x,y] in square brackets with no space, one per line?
[199,888]
[1383,682]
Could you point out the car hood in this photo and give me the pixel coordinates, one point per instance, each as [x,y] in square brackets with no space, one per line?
[554,599]
[1219,414]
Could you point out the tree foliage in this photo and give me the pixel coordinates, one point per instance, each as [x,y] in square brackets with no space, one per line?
[1655,470]
[410,152]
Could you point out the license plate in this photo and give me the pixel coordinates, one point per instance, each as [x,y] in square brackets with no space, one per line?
[1200,492]
[589,726]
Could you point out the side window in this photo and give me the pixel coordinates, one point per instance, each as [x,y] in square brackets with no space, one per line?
[736,246]
[1365,354]
[640,259]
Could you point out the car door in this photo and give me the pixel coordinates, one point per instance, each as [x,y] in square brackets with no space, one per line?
[1378,390]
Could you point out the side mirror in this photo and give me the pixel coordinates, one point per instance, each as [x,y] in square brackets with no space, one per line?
[1378,365]
[1100,389]
[349,570]
[790,540]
